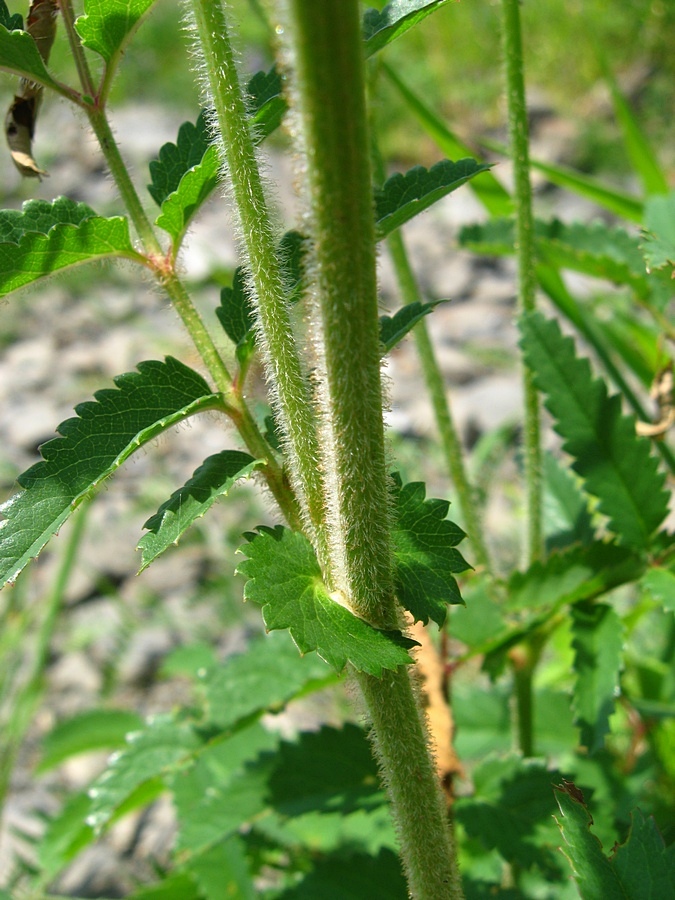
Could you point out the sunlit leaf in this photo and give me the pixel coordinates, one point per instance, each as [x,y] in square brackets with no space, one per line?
[108,24]
[394,328]
[96,729]
[19,54]
[381,27]
[658,244]
[194,188]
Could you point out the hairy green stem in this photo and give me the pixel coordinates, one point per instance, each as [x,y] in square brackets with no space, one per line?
[269,293]
[519,138]
[433,377]
[328,100]
[81,63]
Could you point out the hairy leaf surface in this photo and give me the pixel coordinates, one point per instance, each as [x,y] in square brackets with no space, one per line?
[641,867]
[425,557]
[616,465]
[402,197]
[597,642]
[91,447]
[285,579]
[213,479]
[381,27]
[107,25]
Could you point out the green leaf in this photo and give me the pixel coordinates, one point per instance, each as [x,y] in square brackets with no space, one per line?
[327,770]
[566,516]
[352,876]
[597,642]
[194,188]
[64,836]
[12,22]
[178,886]
[154,752]
[394,328]
[425,557]
[91,447]
[661,585]
[285,579]
[263,679]
[494,197]
[266,109]
[213,479]
[658,243]
[574,574]
[96,729]
[511,811]
[41,216]
[617,466]
[109,24]
[382,27]
[402,197]
[36,254]
[642,868]
[225,787]
[222,871]
[19,54]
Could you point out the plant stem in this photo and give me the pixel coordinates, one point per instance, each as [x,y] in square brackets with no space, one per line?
[328,87]
[77,50]
[519,138]
[433,377]
[267,287]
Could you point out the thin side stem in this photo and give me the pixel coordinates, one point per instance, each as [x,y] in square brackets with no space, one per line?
[519,138]
[328,96]
[435,384]
[77,49]
[267,287]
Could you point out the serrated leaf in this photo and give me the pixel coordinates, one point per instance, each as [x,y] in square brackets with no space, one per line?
[394,328]
[222,871]
[425,558]
[96,729]
[661,585]
[327,770]
[642,868]
[11,22]
[511,811]
[658,244]
[571,575]
[285,579]
[41,216]
[194,188]
[617,466]
[597,642]
[91,447]
[381,27]
[224,788]
[65,835]
[265,678]
[37,255]
[266,103]
[402,197]
[153,752]
[352,876]
[107,25]
[567,519]
[19,54]
[212,480]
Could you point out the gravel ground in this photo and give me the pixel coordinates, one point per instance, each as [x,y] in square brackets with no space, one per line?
[71,337]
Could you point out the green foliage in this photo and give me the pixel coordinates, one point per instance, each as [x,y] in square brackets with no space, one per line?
[397,17]
[107,25]
[659,239]
[20,56]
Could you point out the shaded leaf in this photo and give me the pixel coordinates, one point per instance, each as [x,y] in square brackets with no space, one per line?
[223,788]
[266,104]
[222,871]
[326,770]
[177,886]
[194,188]
[91,447]
[213,479]
[153,752]
[511,811]
[10,21]
[107,25]
[285,579]
[352,876]
[381,27]
[394,328]
[661,585]
[597,642]
[641,868]
[96,729]
[425,557]
[37,255]
[65,835]
[19,54]
[402,197]
[658,243]
[264,678]
[617,466]
[566,515]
